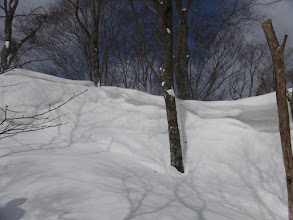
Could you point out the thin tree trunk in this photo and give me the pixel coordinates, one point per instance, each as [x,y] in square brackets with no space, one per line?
[277,52]
[96,13]
[164,14]
[93,37]
[181,54]
[166,26]
[9,11]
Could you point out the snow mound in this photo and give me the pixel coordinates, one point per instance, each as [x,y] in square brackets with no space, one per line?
[112,160]
[41,76]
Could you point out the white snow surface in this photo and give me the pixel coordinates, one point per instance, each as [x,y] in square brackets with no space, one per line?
[112,160]
[171,92]
[32,74]
[7,44]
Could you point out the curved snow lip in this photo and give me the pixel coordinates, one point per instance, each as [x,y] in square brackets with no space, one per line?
[46,77]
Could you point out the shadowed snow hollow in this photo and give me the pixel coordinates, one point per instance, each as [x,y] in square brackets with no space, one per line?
[112,160]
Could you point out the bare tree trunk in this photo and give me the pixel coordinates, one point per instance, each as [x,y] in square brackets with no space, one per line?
[165,14]
[9,51]
[9,11]
[277,52]
[181,53]
[96,13]
[93,35]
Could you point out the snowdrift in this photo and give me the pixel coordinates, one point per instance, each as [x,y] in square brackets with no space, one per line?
[112,160]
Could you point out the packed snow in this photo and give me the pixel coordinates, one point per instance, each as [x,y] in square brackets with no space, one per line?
[111,161]
[7,44]
[171,92]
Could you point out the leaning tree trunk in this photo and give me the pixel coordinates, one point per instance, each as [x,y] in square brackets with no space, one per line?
[165,13]
[277,52]
[167,77]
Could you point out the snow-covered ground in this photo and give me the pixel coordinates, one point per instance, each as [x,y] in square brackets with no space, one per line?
[112,160]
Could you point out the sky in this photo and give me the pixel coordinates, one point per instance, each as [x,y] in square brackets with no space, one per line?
[282,17]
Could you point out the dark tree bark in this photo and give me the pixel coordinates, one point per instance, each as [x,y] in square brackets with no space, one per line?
[277,52]
[93,35]
[165,14]
[9,51]
[181,57]
[291,103]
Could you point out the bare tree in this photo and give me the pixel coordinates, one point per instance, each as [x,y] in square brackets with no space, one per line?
[277,52]
[181,56]
[164,15]
[12,45]
[211,72]
[79,41]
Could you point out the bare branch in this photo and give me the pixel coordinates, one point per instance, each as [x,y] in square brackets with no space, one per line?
[13,125]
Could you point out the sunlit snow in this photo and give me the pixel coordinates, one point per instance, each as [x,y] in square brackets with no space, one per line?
[111,161]
[7,44]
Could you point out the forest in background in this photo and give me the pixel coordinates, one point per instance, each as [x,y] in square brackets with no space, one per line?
[119,43]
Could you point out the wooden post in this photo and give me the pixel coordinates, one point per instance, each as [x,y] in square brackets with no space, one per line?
[277,52]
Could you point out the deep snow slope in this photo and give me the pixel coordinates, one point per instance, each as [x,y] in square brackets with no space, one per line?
[112,160]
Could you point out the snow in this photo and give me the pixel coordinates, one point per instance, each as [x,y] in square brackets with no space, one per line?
[112,160]
[7,44]
[171,92]
[45,77]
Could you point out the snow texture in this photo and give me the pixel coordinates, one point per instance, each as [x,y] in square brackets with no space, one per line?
[7,44]
[112,160]
[46,77]
[171,92]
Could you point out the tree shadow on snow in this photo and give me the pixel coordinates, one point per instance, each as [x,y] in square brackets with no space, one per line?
[12,210]
[150,195]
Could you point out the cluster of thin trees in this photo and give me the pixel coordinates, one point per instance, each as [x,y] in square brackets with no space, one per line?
[123,43]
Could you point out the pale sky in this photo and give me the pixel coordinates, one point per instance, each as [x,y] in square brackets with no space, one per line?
[282,17]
